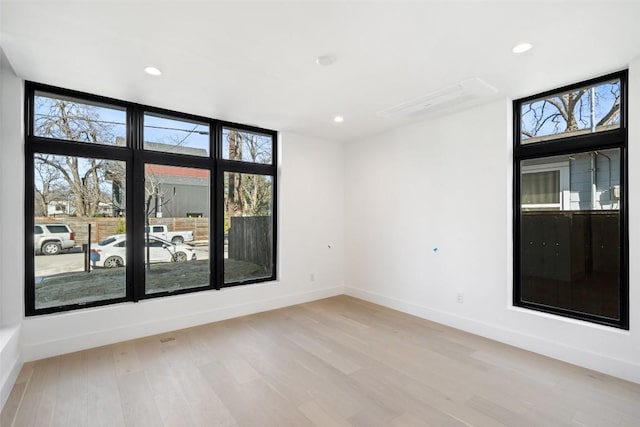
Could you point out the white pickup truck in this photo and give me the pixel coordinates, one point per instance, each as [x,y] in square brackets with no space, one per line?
[173,236]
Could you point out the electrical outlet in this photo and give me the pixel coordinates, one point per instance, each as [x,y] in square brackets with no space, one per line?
[460,297]
[312,277]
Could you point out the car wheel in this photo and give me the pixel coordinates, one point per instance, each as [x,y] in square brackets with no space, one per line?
[177,240]
[180,257]
[51,248]
[113,261]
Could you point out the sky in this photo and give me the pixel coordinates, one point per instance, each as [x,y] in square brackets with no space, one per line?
[157,128]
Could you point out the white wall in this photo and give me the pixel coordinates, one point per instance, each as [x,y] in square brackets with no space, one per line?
[11,225]
[446,184]
[442,184]
[311,200]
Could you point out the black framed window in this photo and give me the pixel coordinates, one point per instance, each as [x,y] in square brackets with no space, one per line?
[127,202]
[570,201]
[247,205]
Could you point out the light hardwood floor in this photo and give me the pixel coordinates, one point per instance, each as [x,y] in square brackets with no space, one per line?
[335,362]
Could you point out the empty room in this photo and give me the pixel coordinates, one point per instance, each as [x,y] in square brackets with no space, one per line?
[319,213]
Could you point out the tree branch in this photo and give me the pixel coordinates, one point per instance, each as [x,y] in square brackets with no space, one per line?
[615,109]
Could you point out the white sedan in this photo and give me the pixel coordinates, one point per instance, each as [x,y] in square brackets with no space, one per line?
[112,251]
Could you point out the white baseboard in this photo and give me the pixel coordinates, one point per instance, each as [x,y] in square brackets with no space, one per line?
[69,344]
[619,368]
[608,365]
[10,361]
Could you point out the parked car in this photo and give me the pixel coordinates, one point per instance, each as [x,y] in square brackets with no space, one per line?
[51,239]
[162,231]
[112,251]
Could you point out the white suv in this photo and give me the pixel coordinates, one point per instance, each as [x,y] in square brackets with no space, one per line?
[50,239]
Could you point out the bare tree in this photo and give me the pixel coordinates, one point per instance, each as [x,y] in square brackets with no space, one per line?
[84,178]
[248,194]
[256,197]
[572,111]
[48,187]
[234,197]
[70,120]
[155,197]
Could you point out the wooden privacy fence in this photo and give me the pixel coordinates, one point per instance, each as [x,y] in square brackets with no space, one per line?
[250,239]
[569,245]
[103,227]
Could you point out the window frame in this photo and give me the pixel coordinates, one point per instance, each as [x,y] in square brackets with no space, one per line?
[237,166]
[607,139]
[135,156]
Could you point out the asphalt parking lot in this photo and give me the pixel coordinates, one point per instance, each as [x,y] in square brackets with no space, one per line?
[46,265]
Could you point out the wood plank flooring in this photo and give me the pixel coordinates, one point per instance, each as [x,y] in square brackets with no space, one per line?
[335,362]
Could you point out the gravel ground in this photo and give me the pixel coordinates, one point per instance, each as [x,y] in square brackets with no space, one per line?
[82,287]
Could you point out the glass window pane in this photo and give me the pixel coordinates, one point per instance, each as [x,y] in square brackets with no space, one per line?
[577,181]
[248,227]
[79,120]
[246,146]
[75,196]
[175,135]
[571,256]
[541,187]
[176,206]
[581,111]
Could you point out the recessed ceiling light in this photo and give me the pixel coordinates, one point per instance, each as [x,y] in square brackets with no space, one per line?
[325,60]
[522,47]
[338,119]
[152,71]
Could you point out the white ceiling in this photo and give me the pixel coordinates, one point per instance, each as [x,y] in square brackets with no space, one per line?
[254,62]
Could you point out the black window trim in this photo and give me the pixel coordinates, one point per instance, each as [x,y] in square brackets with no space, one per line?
[135,156]
[615,138]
